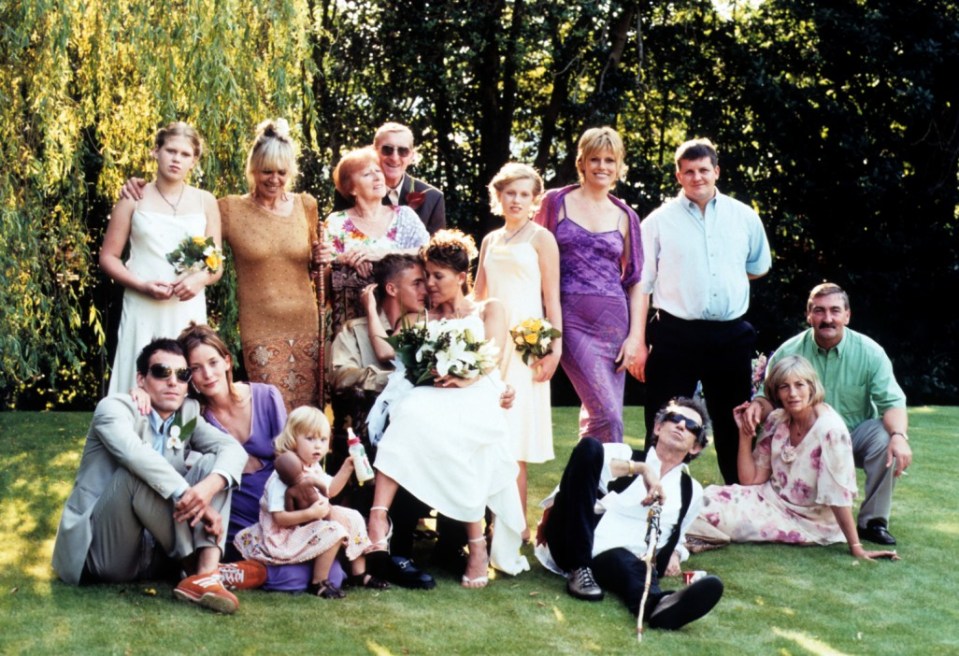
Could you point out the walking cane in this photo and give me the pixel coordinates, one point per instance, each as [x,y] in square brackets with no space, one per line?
[320,286]
[652,537]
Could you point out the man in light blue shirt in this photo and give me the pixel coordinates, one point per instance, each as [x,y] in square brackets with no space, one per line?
[701,248]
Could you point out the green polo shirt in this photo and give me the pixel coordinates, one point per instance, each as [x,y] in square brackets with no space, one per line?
[856,373]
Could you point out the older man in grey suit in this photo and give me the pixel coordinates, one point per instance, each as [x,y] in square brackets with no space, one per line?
[152,491]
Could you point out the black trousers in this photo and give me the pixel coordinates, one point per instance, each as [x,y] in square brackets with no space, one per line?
[619,571]
[572,519]
[572,524]
[717,353]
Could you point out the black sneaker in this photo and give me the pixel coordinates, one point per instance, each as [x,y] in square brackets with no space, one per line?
[581,584]
[679,608]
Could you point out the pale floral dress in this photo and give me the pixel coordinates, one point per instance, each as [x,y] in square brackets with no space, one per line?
[793,505]
[270,543]
[405,231]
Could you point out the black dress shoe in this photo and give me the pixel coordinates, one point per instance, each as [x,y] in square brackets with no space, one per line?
[687,605]
[875,531]
[404,573]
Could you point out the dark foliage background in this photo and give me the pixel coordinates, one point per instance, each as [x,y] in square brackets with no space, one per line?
[838,121]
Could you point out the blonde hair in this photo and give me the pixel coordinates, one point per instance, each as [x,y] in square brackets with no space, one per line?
[179,129]
[273,149]
[800,367]
[596,140]
[304,420]
[510,173]
[351,163]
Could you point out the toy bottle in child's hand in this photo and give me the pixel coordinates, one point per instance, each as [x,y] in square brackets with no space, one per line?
[361,464]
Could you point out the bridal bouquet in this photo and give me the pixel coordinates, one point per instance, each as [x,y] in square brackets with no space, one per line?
[533,338]
[196,254]
[447,347]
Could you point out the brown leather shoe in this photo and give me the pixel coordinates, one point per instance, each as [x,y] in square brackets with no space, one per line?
[207,590]
[243,575]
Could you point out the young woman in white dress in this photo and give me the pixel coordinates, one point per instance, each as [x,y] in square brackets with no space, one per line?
[519,265]
[157,302]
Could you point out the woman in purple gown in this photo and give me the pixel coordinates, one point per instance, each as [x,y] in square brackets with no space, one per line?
[253,413]
[600,260]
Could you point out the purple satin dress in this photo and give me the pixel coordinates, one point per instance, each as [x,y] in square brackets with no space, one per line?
[269,417]
[595,311]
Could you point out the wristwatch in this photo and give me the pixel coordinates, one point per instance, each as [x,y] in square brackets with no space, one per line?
[900,433]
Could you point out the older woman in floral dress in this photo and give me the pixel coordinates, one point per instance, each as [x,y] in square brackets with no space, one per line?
[799,482]
[364,232]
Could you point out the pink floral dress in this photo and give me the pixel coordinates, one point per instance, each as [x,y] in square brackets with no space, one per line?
[270,543]
[793,505]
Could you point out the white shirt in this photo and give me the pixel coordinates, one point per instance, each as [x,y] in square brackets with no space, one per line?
[624,522]
[696,265]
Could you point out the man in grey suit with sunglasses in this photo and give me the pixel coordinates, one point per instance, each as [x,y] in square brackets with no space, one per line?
[393,143]
[152,493]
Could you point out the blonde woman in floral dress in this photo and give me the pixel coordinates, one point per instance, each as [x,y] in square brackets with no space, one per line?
[519,266]
[799,482]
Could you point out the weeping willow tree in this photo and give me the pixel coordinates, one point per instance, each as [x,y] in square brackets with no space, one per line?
[838,121]
[84,86]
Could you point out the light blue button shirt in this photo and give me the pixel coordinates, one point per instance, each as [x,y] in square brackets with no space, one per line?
[697,265]
[160,429]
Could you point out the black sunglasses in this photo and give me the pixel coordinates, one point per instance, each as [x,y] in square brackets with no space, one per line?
[162,372]
[389,150]
[677,418]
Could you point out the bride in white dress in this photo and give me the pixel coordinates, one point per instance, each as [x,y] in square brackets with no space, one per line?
[157,303]
[449,444]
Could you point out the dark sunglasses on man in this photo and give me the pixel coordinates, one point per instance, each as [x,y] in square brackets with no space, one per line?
[162,372]
[677,418]
[389,150]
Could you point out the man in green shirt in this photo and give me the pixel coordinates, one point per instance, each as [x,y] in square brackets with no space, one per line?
[861,387]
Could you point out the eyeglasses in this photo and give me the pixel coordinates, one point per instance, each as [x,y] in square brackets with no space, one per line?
[690,424]
[162,372]
[389,150]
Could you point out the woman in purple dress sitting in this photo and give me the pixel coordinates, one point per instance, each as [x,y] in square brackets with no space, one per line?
[253,413]
[600,260]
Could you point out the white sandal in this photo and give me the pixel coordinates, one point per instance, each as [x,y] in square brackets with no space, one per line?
[383,544]
[479,581]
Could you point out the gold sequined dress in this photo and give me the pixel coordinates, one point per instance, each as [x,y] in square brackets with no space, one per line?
[279,328]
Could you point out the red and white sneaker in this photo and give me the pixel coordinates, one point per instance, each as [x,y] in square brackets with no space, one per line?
[243,575]
[207,590]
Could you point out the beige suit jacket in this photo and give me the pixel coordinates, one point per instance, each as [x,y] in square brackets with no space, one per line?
[121,437]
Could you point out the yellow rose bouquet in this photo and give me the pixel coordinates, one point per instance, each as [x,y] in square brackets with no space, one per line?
[196,254]
[533,338]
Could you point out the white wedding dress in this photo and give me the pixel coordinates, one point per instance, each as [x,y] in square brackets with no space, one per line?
[450,448]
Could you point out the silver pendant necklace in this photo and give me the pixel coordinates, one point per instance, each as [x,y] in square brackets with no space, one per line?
[173,206]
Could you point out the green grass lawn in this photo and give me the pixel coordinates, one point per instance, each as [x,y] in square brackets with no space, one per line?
[779,599]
